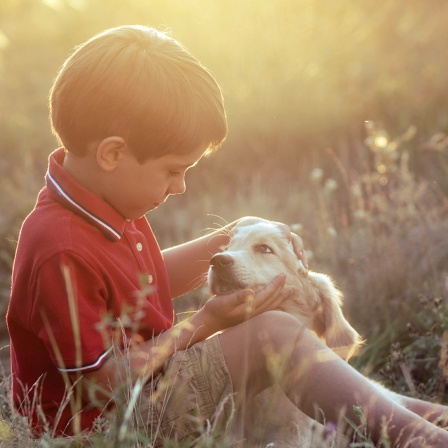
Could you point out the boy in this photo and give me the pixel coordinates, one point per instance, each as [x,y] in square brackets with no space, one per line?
[91,303]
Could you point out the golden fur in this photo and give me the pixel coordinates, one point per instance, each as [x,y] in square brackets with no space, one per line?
[256,254]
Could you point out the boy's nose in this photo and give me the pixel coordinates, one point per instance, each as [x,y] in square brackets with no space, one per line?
[178,186]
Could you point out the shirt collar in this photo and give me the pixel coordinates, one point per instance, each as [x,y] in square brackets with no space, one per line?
[82,201]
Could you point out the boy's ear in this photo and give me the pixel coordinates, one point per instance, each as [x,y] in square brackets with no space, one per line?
[110,151]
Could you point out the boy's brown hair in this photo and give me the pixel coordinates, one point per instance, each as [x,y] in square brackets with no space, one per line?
[140,84]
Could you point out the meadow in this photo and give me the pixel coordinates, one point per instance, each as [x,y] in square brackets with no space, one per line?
[338,127]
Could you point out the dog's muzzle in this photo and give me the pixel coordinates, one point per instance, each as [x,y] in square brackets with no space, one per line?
[221,261]
[222,278]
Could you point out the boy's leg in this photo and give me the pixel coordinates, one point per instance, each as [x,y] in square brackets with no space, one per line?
[315,379]
[433,412]
[191,398]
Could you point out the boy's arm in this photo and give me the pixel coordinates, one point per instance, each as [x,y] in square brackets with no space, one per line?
[188,263]
[146,359]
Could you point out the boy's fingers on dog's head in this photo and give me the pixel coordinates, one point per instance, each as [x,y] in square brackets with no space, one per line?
[303,258]
[250,306]
[299,250]
[286,292]
[277,283]
[270,296]
[246,298]
[280,297]
[279,280]
[274,300]
[246,295]
[274,287]
[297,242]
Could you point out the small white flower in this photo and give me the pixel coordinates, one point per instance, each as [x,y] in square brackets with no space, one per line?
[360,214]
[332,231]
[330,185]
[380,141]
[356,190]
[316,175]
[369,141]
[296,228]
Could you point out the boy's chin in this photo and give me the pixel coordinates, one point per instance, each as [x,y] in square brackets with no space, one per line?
[154,206]
[139,214]
[142,213]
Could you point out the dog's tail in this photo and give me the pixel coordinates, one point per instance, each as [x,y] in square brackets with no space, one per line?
[339,335]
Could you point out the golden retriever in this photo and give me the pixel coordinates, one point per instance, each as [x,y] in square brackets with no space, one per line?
[256,254]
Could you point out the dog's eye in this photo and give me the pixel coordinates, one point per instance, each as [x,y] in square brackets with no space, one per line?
[264,249]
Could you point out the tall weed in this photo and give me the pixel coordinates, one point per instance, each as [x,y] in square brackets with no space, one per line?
[381,234]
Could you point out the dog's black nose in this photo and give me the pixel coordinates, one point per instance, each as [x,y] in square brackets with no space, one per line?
[221,260]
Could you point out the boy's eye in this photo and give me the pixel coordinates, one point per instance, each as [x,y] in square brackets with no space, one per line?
[174,173]
[264,249]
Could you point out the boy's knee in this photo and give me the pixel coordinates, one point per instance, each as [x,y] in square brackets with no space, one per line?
[280,328]
[276,318]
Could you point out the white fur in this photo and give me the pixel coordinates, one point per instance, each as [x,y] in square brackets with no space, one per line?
[256,254]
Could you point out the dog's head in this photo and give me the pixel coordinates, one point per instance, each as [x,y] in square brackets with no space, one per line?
[256,254]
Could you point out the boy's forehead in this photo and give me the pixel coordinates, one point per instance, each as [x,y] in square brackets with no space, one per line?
[185,160]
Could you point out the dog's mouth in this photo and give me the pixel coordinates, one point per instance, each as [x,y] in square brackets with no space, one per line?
[224,287]
[221,283]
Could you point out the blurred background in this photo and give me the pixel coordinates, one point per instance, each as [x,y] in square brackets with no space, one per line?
[338,118]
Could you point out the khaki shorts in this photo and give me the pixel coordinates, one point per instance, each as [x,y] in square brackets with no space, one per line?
[191,398]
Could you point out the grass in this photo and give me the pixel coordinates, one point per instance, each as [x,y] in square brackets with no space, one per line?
[380,234]
[367,215]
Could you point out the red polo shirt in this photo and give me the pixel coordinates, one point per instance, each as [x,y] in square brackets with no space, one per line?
[77,256]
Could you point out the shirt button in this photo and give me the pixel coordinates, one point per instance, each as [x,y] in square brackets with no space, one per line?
[139,246]
[150,278]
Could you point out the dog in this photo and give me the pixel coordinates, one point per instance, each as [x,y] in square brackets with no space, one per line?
[256,253]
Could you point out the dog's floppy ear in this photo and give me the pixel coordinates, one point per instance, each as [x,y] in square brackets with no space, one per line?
[338,333]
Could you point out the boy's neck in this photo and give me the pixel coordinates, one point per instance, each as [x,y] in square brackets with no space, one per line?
[84,170]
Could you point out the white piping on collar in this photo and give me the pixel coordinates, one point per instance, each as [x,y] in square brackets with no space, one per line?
[82,209]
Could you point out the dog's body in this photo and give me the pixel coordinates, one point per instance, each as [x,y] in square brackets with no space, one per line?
[256,254]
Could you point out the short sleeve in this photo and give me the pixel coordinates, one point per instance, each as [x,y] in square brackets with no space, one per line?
[69,313]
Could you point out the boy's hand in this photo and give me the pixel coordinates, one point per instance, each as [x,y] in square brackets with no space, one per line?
[296,241]
[224,311]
